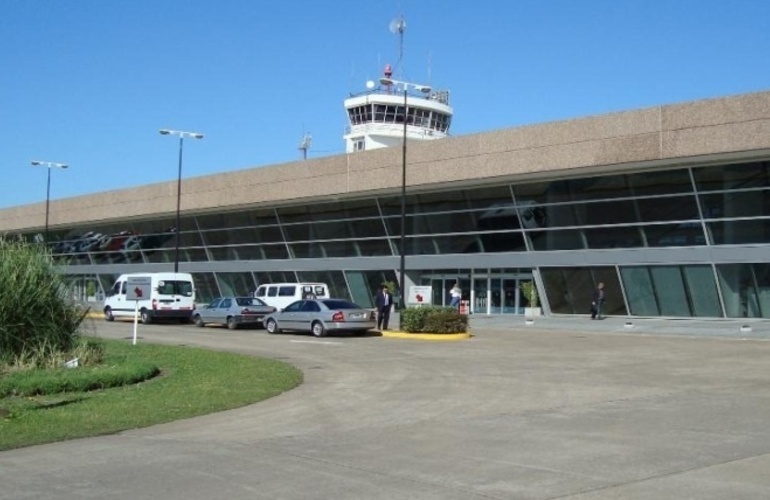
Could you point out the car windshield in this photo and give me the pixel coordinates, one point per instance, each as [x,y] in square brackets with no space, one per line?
[339,304]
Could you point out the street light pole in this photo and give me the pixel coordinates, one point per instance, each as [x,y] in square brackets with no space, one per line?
[182,134]
[49,165]
[388,82]
[402,247]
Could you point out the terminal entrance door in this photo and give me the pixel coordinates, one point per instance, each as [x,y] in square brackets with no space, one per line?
[488,293]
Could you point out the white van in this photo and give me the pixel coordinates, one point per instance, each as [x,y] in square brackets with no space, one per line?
[172,296]
[280,295]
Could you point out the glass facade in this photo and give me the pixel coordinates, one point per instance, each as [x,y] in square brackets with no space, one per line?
[566,235]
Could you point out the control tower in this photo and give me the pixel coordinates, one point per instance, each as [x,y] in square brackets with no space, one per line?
[376,116]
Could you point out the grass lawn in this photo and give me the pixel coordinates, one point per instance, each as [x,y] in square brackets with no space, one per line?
[191,382]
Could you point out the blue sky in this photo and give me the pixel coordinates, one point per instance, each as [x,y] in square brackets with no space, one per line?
[90,82]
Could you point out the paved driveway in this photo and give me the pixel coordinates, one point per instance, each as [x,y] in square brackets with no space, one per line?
[517,412]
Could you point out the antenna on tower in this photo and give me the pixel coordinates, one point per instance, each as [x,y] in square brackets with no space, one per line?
[398,25]
[304,145]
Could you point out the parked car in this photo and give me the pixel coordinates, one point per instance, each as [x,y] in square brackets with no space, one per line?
[233,312]
[321,316]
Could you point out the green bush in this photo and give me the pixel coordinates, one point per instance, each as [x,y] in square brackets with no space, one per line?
[432,319]
[37,319]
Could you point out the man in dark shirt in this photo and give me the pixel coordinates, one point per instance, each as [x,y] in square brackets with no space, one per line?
[383,301]
[597,301]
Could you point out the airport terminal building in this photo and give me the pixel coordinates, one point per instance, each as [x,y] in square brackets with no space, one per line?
[668,206]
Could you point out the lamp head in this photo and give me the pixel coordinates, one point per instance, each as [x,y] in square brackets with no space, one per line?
[164,131]
[64,166]
[198,136]
[387,81]
[36,163]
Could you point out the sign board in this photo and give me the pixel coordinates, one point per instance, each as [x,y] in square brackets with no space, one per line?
[138,287]
[420,296]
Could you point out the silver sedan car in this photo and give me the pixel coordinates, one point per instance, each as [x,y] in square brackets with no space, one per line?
[233,312]
[321,316]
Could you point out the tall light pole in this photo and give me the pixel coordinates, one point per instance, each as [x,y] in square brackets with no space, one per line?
[402,244]
[182,134]
[49,165]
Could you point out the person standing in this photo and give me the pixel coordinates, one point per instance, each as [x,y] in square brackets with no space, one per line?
[384,302]
[456,294]
[597,300]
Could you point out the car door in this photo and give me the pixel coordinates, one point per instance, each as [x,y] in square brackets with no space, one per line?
[291,316]
[310,312]
[208,312]
[223,310]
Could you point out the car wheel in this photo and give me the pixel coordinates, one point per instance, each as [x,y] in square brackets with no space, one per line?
[199,321]
[318,329]
[145,317]
[231,324]
[272,326]
[108,314]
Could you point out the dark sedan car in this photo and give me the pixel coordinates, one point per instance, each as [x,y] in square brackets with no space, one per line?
[233,312]
[321,316]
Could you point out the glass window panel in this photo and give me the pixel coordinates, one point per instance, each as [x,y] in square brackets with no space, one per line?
[373,248]
[613,296]
[608,212]
[596,188]
[334,279]
[663,182]
[674,235]
[247,218]
[614,237]
[341,248]
[640,294]
[736,204]
[568,290]
[276,277]
[206,288]
[191,255]
[670,290]
[435,223]
[762,288]
[278,251]
[226,253]
[360,290]
[338,210]
[238,284]
[567,239]
[668,208]
[702,291]
[735,176]
[745,289]
[264,234]
[186,239]
[589,188]
[480,198]
[363,228]
[740,231]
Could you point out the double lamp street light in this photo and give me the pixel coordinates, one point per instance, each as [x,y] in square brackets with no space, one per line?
[181,134]
[49,165]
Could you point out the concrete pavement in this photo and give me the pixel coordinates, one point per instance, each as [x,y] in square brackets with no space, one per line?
[563,408]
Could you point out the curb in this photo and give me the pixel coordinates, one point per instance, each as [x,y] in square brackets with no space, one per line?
[426,336]
[441,337]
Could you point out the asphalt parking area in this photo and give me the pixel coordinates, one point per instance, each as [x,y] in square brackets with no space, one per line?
[515,412]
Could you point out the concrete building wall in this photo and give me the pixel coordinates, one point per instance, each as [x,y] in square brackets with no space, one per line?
[715,129]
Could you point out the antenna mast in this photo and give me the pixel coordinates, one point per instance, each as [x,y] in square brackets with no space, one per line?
[304,145]
[398,25]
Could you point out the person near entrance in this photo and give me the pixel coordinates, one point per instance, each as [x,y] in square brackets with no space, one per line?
[597,301]
[456,295]
[384,302]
